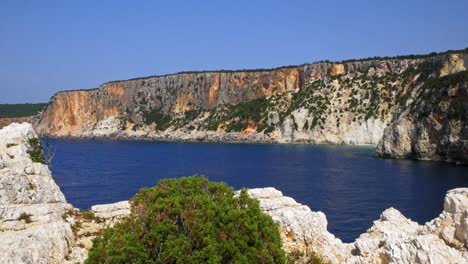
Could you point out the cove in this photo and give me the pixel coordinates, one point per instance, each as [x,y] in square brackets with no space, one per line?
[345,182]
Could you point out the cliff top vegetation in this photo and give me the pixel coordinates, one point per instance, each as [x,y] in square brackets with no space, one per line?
[20,110]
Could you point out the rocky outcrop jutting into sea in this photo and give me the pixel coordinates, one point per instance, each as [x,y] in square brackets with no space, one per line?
[37,225]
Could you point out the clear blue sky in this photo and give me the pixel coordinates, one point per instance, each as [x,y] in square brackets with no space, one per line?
[48,46]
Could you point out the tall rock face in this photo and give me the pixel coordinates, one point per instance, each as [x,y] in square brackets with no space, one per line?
[77,113]
[340,103]
[31,204]
[434,126]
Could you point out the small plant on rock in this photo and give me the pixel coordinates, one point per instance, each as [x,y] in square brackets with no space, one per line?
[309,258]
[38,153]
[25,217]
[35,151]
[89,215]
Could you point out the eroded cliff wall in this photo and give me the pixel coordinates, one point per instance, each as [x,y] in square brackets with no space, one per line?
[75,113]
[434,126]
[341,103]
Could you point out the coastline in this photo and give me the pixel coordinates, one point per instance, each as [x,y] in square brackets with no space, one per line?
[211,137]
[241,140]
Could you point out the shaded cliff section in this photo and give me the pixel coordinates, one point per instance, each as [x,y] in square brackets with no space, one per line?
[434,125]
[350,102]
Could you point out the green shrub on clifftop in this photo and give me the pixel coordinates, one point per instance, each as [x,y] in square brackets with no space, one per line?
[191,220]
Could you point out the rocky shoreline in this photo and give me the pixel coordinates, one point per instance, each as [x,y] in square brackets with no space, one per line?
[37,225]
[204,137]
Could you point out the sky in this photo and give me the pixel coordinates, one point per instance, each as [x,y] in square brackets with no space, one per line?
[50,46]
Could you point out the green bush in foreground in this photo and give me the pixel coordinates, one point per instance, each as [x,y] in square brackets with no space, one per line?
[191,220]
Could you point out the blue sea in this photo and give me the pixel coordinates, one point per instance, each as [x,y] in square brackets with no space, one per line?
[345,182]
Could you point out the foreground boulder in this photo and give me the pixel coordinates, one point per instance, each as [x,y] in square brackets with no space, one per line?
[395,239]
[301,229]
[89,224]
[31,204]
[392,239]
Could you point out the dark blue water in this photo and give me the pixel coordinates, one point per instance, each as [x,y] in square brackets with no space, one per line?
[344,182]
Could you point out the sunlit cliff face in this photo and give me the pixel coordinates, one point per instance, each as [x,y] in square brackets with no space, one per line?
[70,112]
[340,103]
[77,111]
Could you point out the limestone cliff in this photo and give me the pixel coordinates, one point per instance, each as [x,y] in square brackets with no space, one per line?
[434,126]
[350,102]
[37,225]
[31,204]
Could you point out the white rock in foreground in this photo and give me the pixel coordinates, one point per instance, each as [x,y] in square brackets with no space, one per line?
[115,210]
[105,215]
[31,204]
[301,229]
[392,239]
[395,239]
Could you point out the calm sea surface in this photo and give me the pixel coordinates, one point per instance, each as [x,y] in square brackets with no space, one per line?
[344,182]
